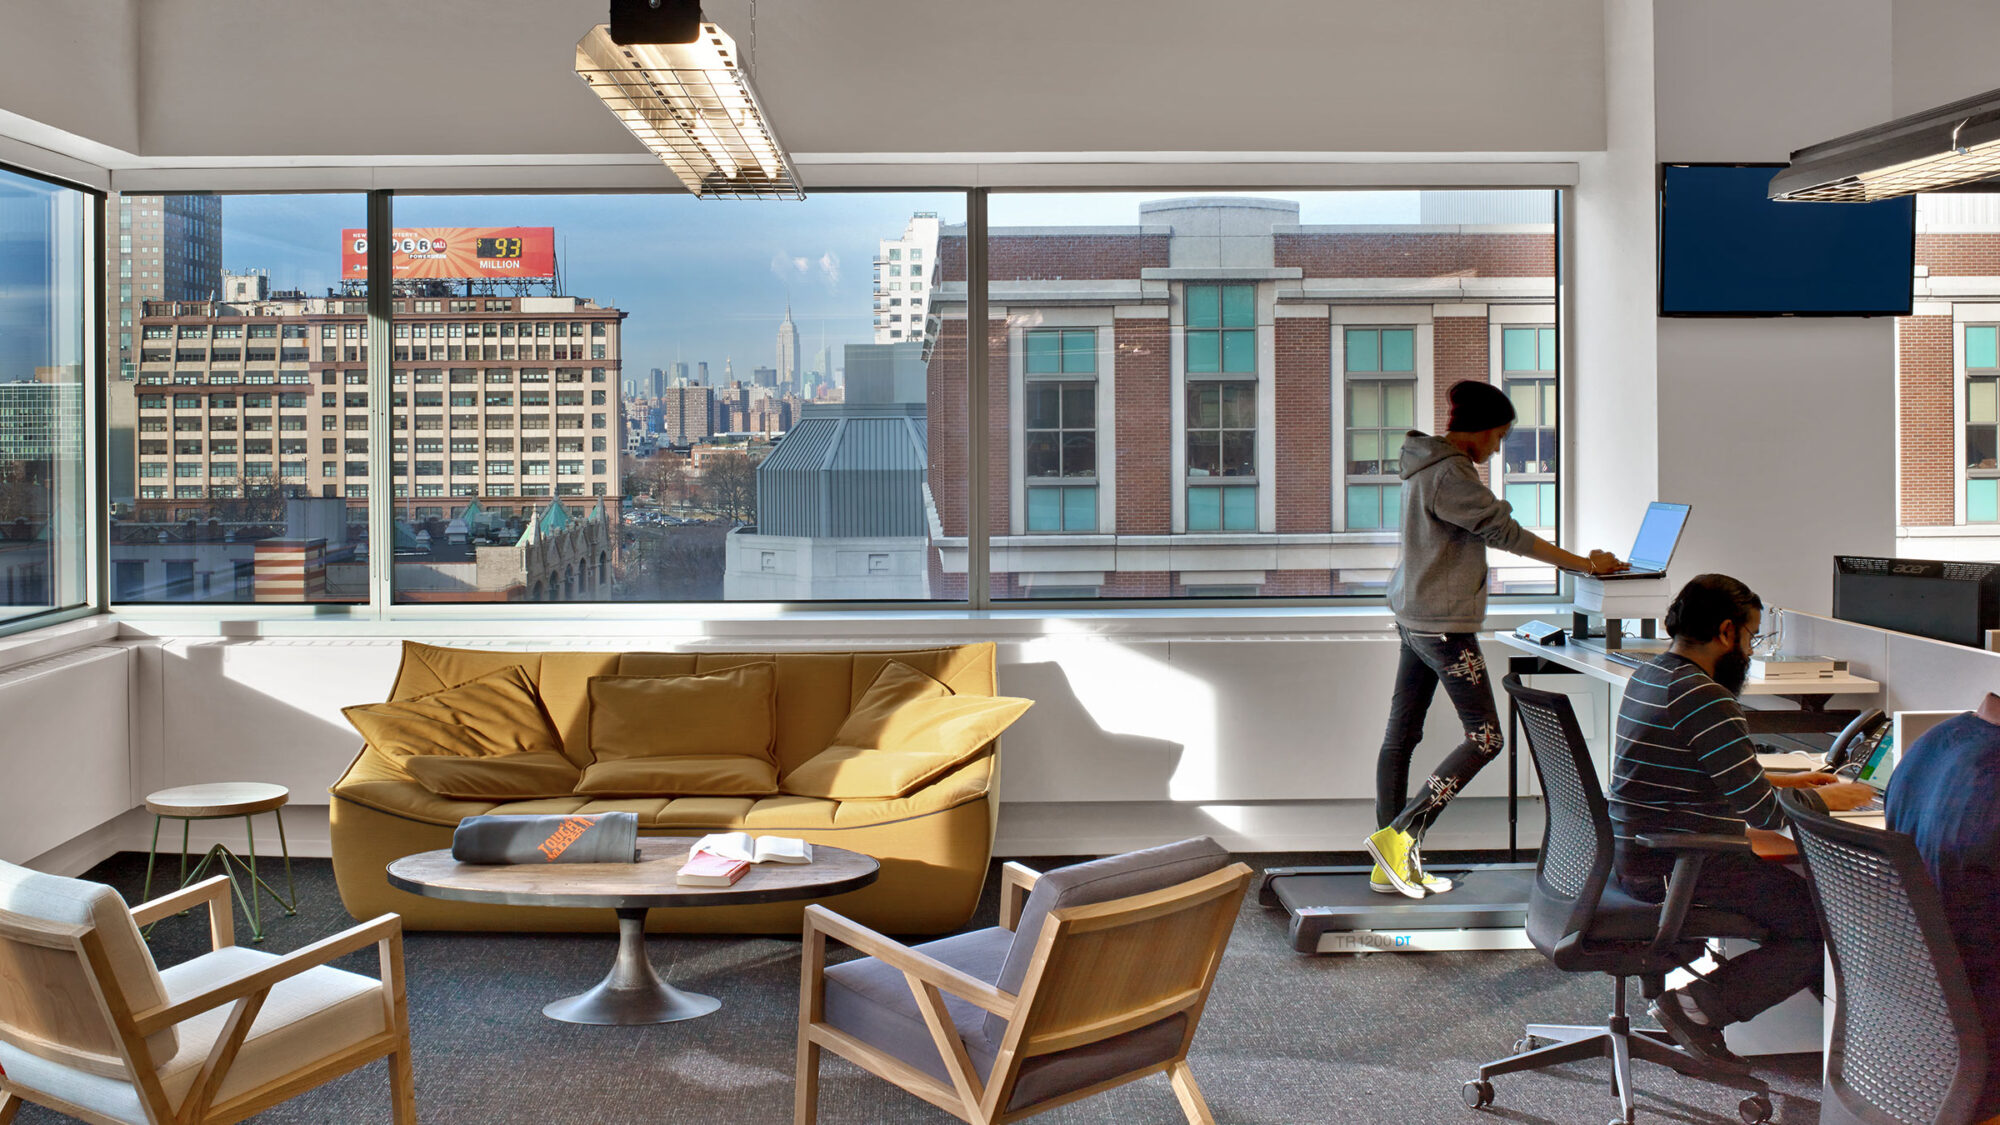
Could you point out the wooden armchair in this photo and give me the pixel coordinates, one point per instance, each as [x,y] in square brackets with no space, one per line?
[1102,983]
[90,1027]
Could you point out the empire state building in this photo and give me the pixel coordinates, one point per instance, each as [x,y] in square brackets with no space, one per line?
[788,350]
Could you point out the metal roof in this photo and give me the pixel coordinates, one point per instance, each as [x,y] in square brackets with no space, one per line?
[847,470]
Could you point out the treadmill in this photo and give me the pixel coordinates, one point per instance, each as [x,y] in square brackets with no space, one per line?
[1333,910]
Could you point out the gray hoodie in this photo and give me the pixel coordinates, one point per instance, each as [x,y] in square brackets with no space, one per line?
[1449,519]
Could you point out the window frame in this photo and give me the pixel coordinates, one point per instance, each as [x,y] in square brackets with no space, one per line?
[378,491]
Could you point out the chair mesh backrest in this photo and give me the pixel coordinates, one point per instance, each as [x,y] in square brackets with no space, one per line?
[1898,1043]
[1576,840]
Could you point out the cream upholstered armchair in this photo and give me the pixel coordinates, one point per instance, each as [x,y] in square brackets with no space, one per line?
[1096,980]
[91,1027]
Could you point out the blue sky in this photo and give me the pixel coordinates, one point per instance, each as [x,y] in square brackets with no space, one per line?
[705,279]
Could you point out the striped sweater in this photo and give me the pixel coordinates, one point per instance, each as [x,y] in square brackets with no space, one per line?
[1684,763]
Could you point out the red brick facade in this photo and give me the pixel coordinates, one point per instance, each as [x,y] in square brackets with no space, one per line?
[1303,385]
[1304,446]
[1960,254]
[1925,421]
[1417,255]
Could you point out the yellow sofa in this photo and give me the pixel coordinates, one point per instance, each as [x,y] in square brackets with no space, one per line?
[934,844]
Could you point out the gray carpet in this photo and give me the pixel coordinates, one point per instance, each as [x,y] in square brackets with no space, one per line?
[1287,1039]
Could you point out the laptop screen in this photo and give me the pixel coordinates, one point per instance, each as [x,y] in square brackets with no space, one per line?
[1659,532]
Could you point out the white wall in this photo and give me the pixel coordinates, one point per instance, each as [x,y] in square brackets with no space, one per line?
[287,78]
[1943,52]
[65,750]
[1779,432]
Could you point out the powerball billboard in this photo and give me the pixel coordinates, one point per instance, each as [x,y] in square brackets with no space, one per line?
[457,252]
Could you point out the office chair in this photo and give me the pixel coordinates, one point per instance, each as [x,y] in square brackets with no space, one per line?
[1583,922]
[1901,1050]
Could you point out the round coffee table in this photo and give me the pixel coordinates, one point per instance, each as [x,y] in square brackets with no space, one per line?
[631,993]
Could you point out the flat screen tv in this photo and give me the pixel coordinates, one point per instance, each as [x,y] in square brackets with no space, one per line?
[1727,250]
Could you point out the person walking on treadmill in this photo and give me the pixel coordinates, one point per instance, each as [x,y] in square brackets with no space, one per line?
[1438,594]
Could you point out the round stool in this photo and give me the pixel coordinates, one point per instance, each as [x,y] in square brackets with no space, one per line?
[223,801]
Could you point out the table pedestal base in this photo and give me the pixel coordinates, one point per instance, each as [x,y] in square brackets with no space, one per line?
[632,993]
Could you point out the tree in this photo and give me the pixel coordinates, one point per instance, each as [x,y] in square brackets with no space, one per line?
[730,479]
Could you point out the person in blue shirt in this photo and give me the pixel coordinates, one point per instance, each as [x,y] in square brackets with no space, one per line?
[1945,795]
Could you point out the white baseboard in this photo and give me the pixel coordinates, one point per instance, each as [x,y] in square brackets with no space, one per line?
[306,832]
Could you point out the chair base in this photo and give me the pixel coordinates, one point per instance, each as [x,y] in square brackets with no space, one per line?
[1620,1042]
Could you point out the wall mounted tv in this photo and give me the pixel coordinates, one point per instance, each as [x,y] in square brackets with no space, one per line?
[1727,250]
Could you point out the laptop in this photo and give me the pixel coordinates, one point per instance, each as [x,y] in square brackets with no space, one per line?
[1875,774]
[1659,534]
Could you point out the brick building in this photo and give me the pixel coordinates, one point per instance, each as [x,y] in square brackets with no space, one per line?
[1211,402]
[502,400]
[1947,367]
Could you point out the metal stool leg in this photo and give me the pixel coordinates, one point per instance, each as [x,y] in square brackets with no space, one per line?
[291,888]
[152,854]
[256,903]
[185,826]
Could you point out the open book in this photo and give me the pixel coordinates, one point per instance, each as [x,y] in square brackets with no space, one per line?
[754,849]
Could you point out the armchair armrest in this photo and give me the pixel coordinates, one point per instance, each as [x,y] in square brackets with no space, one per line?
[214,892]
[385,931]
[1691,850]
[820,920]
[1017,881]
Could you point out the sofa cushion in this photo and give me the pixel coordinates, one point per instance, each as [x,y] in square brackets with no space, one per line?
[1100,880]
[873,718]
[915,745]
[428,668]
[509,777]
[494,714]
[679,775]
[733,712]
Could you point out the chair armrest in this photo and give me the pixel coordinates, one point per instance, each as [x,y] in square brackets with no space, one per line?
[899,956]
[1017,881]
[214,892]
[1693,841]
[386,929]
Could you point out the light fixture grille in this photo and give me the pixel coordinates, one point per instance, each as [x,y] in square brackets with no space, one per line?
[1934,173]
[691,105]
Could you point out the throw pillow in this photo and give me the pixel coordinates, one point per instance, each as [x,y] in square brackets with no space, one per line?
[498,713]
[509,777]
[732,712]
[925,740]
[681,775]
[875,718]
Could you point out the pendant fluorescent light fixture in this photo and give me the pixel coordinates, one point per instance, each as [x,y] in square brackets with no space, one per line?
[1951,148]
[677,82]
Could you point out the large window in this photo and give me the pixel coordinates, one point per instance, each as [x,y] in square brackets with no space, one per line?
[1259,359]
[1381,369]
[703,404]
[216,495]
[1528,460]
[1982,424]
[1060,430]
[44,276]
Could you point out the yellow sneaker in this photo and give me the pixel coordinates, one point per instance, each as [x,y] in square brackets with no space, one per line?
[1378,881]
[1391,849]
[1432,884]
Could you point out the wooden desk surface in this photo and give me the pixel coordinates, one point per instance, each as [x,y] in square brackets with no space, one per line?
[1592,662]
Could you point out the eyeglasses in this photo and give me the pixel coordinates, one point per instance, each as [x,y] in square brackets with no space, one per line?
[1762,639]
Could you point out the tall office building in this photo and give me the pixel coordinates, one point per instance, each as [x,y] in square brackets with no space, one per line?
[788,350]
[826,367]
[687,415]
[273,393]
[165,248]
[656,384]
[902,280]
[701,374]
[680,378]
[766,377]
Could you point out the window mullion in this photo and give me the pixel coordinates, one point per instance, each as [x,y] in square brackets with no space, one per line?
[381,506]
[978,581]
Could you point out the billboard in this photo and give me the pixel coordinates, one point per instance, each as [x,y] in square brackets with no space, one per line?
[457,252]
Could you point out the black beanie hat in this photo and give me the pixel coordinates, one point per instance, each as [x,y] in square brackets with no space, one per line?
[1477,406]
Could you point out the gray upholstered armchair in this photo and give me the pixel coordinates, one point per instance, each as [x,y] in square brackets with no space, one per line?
[1096,980]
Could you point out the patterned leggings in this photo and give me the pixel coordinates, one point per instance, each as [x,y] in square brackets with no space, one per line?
[1427,658]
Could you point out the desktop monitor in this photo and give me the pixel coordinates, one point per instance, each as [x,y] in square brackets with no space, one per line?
[1945,601]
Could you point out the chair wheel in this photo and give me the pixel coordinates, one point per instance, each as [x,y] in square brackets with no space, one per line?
[1478,1094]
[1527,1043]
[1754,1110]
